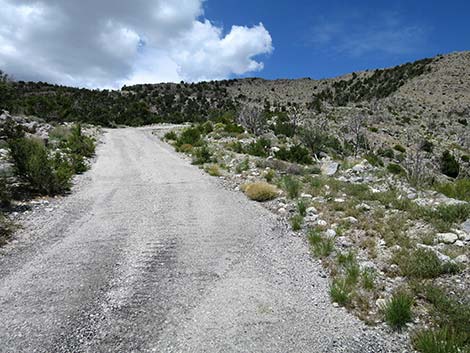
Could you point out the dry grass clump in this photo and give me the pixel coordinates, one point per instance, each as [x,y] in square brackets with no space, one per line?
[260,191]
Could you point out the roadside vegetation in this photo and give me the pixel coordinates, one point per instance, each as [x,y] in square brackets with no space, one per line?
[39,167]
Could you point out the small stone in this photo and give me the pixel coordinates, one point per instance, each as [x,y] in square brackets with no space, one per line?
[322,223]
[363,206]
[447,238]
[351,220]
[462,259]
[330,233]
[466,226]
[459,243]
[306,196]
[329,168]
[282,210]
[380,303]
[339,200]
[311,210]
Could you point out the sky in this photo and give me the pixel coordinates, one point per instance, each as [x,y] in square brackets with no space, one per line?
[110,43]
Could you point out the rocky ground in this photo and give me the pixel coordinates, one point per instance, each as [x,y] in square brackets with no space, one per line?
[361,221]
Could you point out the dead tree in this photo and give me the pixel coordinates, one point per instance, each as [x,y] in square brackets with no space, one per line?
[252,119]
[356,129]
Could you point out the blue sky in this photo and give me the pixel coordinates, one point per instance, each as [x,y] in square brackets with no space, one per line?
[328,38]
[109,43]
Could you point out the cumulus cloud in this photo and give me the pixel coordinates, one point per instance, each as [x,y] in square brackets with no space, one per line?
[106,43]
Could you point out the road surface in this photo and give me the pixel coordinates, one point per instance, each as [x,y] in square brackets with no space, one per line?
[149,254]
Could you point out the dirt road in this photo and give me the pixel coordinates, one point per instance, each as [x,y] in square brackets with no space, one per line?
[148,254]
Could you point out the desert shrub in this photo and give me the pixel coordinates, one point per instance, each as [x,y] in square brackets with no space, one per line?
[185,148]
[302,208]
[422,263]
[399,148]
[296,222]
[449,165]
[243,166]
[426,146]
[60,133]
[445,216]
[324,247]
[206,127]
[6,229]
[80,144]
[295,154]
[387,153]
[5,196]
[459,189]
[259,148]
[449,311]
[292,186]
[439,340]
[396,169]
[236,146]
[33,164]
[11,130]
[340,292]
[260,191]
[202,155]
[374,160]
[465,158]
[171,136]
[213,170]
[233,128]
[190,136]
[397,311]
[269,175]
[368,278]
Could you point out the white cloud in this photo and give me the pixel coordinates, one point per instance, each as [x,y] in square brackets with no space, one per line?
[106,43]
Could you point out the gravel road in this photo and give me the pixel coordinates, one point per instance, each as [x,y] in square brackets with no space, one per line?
[149,254]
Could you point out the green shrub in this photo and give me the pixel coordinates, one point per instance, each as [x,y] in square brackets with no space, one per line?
[397,310]
[440,340]
[399,148]
[170,136]
[374,160]
[324,247]
[236,146]
[32,164]
[368,278]
[465,158]
[340,292]
[396,169]
[296,222]
[243,166]
[422,264]
[302,208]
[260,191]
[6,229]
[296,154]
[459,189]
[292,186]
[80,144]
[259,148]
[445,216]
[202,155]
[60,133]
[189,136]
[5,196]
[449,165]
[387,153]
[269,175]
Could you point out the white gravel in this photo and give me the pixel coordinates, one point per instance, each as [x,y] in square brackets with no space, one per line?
[149,254]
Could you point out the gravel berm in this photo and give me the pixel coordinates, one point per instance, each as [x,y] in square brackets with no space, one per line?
[149,254]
